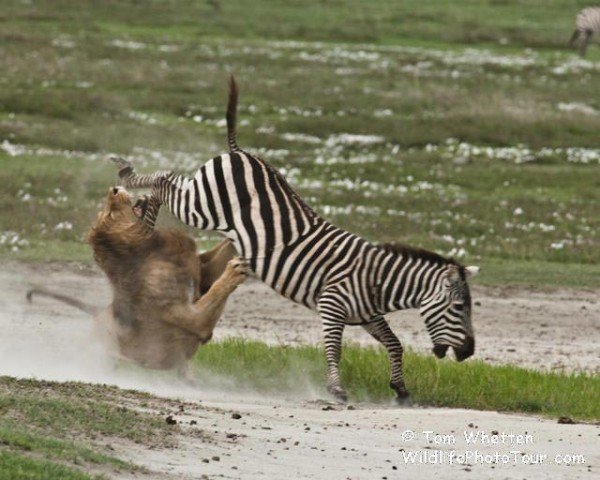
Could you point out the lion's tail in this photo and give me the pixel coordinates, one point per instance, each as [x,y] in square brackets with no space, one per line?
[89,309]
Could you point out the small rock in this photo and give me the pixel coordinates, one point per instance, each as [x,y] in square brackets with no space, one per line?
[193,422]
[236,416]
[205,460]
[328,408]
[566,421]
[350,407]
[216,458]
[170,420]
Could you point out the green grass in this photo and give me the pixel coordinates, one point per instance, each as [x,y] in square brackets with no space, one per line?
[20,467]
[60,429]
[442,383]
[77,407]
[439,82]
[15,438]
[518,22]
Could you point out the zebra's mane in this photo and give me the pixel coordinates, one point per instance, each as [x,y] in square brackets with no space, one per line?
[421,253]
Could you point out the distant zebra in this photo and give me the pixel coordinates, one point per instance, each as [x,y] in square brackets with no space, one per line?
[346,279]
[587,23]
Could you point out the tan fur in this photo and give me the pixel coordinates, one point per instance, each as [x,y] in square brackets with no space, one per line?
[159,316]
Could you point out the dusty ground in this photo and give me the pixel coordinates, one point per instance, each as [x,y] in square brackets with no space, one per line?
[539,329]
[276,440]
[297,438]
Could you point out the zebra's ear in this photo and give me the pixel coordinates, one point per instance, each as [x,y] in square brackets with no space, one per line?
[453,274]
[471,270]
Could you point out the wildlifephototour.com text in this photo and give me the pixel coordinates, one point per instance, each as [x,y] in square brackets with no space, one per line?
[480,449]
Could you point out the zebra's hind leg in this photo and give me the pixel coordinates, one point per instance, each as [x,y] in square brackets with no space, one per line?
[380,330]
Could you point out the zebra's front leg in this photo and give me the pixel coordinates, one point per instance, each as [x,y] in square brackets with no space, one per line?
[334,314]
[587,35]
[333,329]
[146,208]
[380,330]
[574,37]
[131,179]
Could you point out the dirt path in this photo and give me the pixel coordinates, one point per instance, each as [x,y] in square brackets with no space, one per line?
[274,440]
[545,330]
[306,437]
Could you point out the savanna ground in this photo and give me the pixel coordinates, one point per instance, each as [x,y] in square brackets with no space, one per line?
[466,127]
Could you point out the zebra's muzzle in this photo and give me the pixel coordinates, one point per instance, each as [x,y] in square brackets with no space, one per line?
[465,350]
[440,350]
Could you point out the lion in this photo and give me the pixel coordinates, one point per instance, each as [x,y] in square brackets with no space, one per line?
[167,299]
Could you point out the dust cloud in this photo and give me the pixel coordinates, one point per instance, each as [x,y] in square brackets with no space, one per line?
[48,340]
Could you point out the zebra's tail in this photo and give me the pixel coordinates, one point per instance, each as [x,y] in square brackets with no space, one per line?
[231,115]
[84,307]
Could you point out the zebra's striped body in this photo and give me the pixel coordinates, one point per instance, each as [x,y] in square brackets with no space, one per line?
[347,279]
[587,23]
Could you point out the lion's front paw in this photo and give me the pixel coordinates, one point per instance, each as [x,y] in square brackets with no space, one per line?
[236,271]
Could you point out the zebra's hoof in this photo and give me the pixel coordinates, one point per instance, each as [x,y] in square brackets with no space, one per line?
[339,393]
[402,395]
[123,165]
[404,401]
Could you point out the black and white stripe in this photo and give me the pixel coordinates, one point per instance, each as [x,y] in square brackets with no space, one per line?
[308,260]
[587,23]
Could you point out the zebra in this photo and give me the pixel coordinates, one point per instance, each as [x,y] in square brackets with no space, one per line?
[587,23]
[302,256]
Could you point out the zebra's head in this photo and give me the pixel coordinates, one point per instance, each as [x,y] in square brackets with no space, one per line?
[447,313]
